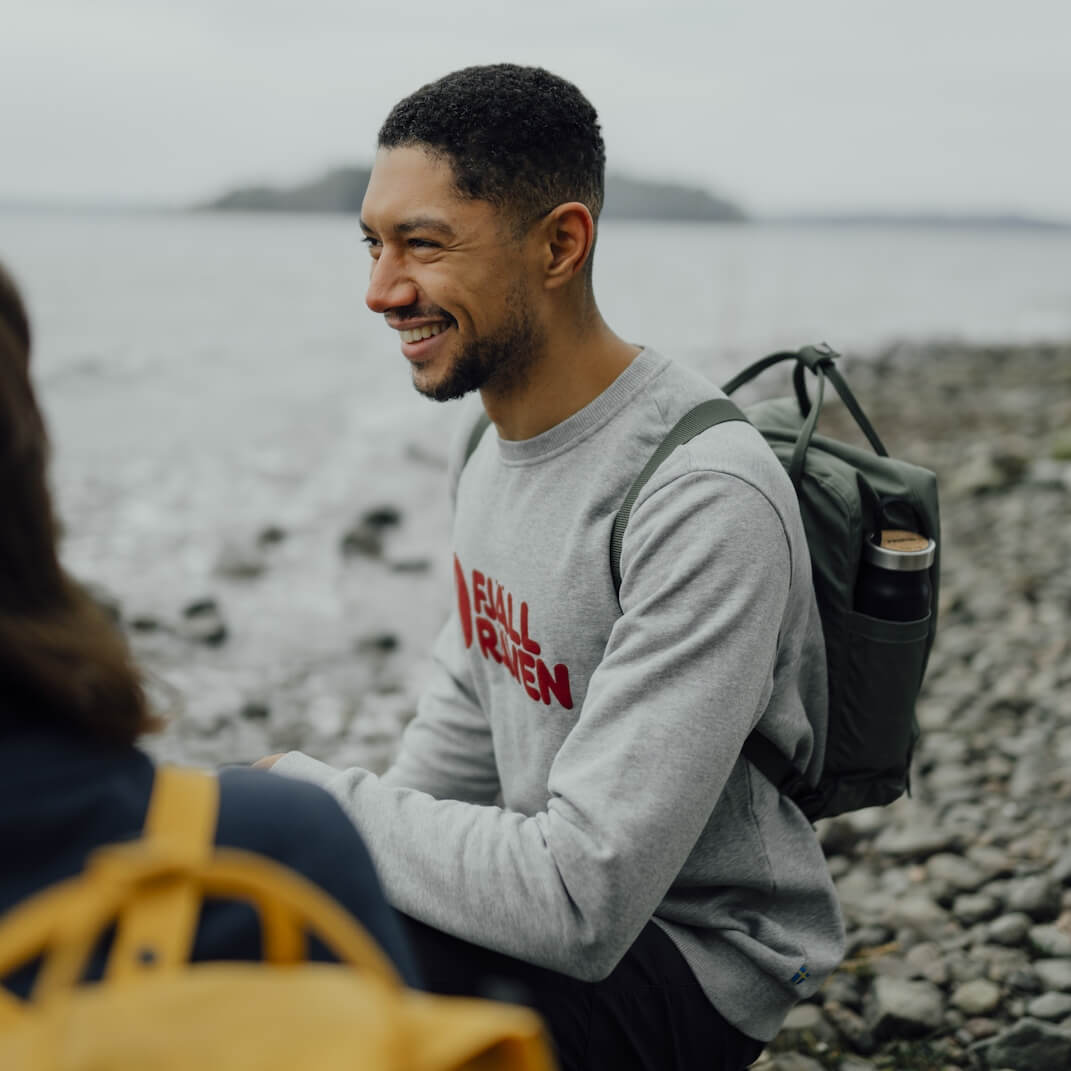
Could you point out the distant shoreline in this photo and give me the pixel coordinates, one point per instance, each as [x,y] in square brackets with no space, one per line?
[861,220]
[967,221]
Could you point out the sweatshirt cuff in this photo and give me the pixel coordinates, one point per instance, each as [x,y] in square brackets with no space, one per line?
[301,767]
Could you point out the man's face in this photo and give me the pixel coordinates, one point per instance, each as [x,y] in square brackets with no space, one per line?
[449,276]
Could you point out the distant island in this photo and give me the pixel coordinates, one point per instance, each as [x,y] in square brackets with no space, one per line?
[342,190]
[931,220]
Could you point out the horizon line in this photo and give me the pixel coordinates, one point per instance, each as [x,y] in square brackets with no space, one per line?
[1010,217]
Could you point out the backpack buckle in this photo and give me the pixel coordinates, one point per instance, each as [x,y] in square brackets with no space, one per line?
[821,355]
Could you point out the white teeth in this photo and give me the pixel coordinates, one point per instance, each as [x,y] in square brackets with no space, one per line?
[417,333]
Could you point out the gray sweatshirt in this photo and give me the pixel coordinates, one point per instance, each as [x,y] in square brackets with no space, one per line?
[574,767]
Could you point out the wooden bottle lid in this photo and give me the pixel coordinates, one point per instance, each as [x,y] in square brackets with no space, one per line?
[901,550]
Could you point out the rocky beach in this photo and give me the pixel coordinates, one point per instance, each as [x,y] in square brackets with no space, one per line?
[957,900]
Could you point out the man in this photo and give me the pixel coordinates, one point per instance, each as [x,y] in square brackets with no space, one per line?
[569,814]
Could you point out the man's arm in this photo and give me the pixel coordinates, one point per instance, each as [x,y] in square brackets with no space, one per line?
[686,675]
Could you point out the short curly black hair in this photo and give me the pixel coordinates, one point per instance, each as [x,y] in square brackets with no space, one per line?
[519,137]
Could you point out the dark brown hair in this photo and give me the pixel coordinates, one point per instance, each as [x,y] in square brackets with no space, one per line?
[62,661]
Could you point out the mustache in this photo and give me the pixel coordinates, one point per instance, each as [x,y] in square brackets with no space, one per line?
[417,312]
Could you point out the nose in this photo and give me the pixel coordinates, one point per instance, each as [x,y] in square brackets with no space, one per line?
[389,286]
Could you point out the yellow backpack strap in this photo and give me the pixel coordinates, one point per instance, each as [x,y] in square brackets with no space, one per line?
[156,927]
[184,808]
[10,1008]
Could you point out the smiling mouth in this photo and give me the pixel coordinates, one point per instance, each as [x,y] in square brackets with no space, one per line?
[416,334]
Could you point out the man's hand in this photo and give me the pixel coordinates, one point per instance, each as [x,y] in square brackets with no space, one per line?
[268,761]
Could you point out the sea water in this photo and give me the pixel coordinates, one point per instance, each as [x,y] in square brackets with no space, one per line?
[206,376]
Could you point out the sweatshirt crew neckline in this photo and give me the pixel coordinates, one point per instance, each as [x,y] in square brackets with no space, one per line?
[640,371]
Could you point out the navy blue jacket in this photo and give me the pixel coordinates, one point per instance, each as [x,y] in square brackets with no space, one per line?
[63,795]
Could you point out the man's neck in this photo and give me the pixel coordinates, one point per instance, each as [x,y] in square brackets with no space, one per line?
[572,372]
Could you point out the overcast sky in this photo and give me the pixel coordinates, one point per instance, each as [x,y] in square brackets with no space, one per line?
[784,105]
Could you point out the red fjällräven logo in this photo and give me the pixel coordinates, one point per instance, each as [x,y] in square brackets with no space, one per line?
[487,618]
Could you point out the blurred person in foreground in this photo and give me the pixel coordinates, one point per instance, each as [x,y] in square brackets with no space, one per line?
[569,812]
[72,706]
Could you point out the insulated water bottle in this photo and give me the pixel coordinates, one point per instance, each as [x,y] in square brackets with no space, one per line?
[894,576]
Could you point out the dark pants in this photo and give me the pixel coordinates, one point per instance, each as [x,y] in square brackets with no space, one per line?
[648,1015]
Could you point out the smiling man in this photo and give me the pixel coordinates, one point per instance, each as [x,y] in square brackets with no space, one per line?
[569,818]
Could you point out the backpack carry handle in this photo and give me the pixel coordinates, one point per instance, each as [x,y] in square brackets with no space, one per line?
[64,924]
[803,440]
[819,360]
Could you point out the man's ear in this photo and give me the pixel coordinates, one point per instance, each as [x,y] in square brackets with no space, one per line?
[568,236]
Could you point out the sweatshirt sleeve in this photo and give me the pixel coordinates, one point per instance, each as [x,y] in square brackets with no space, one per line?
[686,675]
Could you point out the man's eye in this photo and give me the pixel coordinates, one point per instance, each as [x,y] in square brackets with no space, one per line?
[372,243]
[422,243]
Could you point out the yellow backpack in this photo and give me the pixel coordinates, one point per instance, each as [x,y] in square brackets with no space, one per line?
[154,1009]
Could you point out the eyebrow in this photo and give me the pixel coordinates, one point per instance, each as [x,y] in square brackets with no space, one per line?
[417,223]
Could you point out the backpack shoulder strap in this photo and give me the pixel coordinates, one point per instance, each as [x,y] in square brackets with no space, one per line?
[156,928]
[757,749]
[764,755]
[703,416]
[483,421]
[183,809]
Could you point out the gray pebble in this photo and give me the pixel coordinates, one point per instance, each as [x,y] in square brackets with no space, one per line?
[1054,973]
[1050,1006]
[899,1008]
[1025,980]
[1051,942]
[965,967]
[845,988]
[920,840]
[980,997]
[851,1027]
[804,1024]
[853,1063]
[975,907]
[202,622]
[867,937]
[239,561]
[994,861]
[790,1061]
[1061,870]
[956,871]
[1037,896]
[980,1028]
[1009,929]
[1003,963]
[917,912]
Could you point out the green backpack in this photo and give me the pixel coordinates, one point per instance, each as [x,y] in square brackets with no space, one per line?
[846,494]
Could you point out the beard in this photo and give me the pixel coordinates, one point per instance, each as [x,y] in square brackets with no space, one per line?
[498,364]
